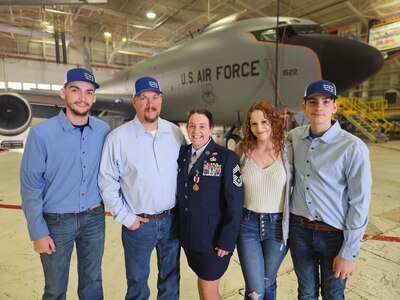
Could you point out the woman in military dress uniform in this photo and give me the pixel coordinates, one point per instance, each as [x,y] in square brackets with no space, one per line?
[210,201]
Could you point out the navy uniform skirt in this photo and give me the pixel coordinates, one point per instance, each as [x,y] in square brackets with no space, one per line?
[207,266]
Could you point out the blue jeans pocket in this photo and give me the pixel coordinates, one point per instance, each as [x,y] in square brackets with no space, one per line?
[96,211]
[277,218]
[52,218]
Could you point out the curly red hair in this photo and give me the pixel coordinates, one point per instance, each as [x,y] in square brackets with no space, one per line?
[249,139]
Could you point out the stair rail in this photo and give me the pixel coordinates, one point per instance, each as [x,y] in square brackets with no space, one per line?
[370,122]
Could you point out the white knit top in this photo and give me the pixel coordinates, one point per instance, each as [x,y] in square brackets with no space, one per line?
[264,188]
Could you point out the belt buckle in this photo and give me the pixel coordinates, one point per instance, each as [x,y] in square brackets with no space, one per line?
[307,224]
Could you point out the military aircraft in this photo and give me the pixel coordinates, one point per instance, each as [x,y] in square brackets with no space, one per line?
[225,69]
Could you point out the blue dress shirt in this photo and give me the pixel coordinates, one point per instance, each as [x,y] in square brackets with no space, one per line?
[138,171]
[332,182]
[59,169]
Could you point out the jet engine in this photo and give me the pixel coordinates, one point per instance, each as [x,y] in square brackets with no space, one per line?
[15,113]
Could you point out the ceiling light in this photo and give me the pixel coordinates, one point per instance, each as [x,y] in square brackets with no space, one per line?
[124,40]
[150,15]
[107,34]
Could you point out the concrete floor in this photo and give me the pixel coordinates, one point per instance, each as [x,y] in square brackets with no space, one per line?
[377,275]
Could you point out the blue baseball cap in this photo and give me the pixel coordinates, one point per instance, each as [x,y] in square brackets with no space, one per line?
[144,84]
[80,74]
[320,87]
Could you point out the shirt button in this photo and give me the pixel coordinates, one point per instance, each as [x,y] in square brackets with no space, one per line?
[186,209]
[185,184]
[309,202]
[83,194]
[308,175]
[84,167]
[308,161]
[312,148]
[84,180]
[186,196]
[83,152]
[316,217]
[307,188]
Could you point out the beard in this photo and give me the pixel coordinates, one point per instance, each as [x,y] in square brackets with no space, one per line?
[148,119]
[78,110]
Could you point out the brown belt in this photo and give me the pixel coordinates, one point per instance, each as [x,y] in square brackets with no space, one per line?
[314,225]
[159,215]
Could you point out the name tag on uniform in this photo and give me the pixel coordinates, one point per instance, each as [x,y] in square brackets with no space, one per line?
[212,169]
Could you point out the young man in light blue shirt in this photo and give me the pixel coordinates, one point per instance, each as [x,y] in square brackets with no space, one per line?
[331,196]
[137,181]
[60,195]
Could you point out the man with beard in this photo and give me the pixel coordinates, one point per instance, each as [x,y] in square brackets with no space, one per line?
[137,181]
[59,190]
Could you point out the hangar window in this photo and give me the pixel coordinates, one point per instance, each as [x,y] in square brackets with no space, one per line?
[285,32]
[2,85]
[43,86]
[56,87]
[28,86]
[15,85]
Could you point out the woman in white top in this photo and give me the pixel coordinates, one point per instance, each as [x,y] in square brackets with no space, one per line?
[266,173]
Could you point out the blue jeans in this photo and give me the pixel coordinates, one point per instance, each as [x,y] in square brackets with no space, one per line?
[162,235]
[312,252]
[261,251]
[87,231]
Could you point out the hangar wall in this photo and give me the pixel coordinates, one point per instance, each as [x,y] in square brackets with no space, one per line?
[31,71]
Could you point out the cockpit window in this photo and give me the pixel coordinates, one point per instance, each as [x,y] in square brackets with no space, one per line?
[285,32]
[309,29]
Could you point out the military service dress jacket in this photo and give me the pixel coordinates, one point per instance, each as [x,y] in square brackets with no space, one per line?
[210,199]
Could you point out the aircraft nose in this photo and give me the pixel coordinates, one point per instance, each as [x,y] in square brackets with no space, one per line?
[343,61]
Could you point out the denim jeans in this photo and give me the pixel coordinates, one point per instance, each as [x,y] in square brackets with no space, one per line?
[312,252]
[162,235]
[261,251]
[87,231]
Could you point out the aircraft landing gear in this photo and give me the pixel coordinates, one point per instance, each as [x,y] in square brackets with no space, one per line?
[232,137]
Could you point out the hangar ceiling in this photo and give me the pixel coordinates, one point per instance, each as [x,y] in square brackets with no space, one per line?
[134,37]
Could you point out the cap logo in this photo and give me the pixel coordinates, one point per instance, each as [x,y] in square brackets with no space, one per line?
[153,84]
[328,88]
[89,76]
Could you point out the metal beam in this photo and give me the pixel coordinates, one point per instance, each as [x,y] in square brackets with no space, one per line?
[25,31]
[50,2]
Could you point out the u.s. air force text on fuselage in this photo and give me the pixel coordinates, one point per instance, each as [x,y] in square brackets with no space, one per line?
[228,71]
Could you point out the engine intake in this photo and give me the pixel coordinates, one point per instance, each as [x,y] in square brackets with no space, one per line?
[15,113]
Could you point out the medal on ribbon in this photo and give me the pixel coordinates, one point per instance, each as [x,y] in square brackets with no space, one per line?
[196,180]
